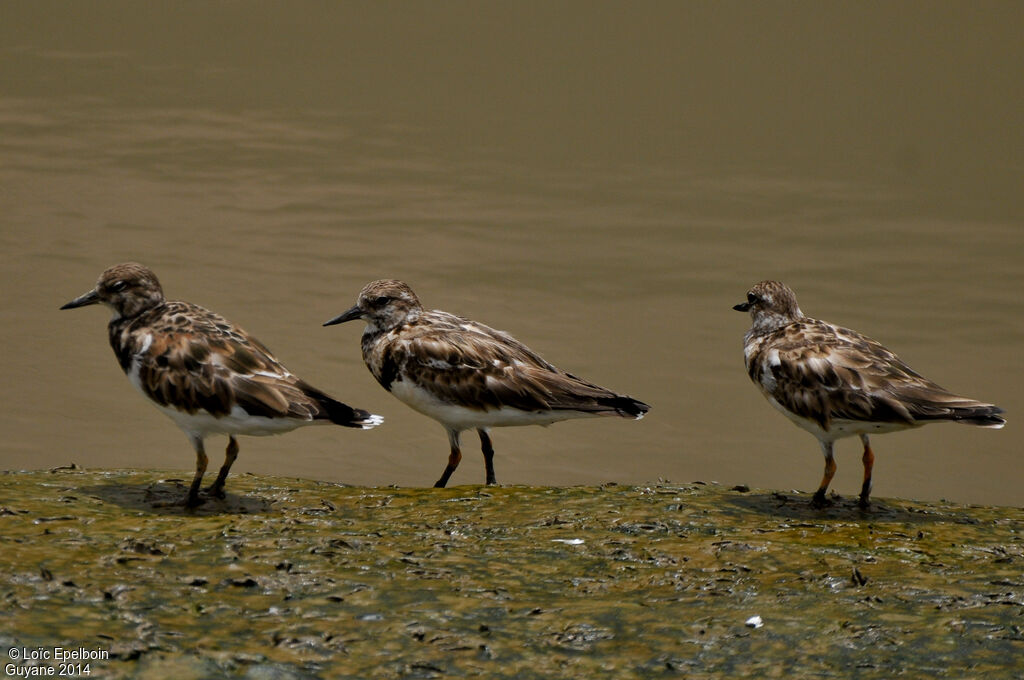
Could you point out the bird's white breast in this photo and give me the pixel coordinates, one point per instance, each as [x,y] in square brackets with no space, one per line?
[838,427]
[458,417]
[202,423]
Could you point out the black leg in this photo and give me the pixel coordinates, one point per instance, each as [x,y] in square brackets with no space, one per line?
[869,464]
[193,499]
[217,488]
[488,450]
[453,459]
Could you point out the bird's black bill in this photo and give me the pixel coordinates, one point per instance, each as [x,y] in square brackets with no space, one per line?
[89,298]
[742,307]
[350,315]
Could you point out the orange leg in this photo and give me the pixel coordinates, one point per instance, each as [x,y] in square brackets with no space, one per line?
[869,464]
[453,459]
[819,500]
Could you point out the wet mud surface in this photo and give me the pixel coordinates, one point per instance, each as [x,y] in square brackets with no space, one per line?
[298,579]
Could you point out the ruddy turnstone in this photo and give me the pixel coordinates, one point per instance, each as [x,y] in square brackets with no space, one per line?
[835,382]
[206,374]
[465,375]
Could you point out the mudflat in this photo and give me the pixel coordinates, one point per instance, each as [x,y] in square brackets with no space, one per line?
[288,578]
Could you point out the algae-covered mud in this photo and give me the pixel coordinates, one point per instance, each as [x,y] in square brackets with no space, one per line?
[294,579]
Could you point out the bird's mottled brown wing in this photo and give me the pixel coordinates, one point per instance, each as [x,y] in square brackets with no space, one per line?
[822,372]
[475,366]
[192,359]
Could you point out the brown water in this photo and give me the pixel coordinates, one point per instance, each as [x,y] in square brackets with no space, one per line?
[604,183]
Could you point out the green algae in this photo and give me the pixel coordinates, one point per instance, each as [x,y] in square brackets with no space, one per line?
[294,579]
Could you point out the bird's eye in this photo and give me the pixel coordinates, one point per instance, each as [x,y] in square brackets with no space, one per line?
[751,298]
[118,286]
[380,300]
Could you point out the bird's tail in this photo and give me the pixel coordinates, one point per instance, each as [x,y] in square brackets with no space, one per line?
[627,407]
[565,391]
[982,417]
[960,410]
[343,414]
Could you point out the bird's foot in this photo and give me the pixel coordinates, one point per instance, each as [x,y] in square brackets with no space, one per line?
[216,490]
[193,501]
[820,501]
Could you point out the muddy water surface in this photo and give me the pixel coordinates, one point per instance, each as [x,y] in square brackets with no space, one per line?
[604,182]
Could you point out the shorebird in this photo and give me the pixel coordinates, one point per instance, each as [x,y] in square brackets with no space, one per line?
[835,382]
[208,375]
[466,375]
